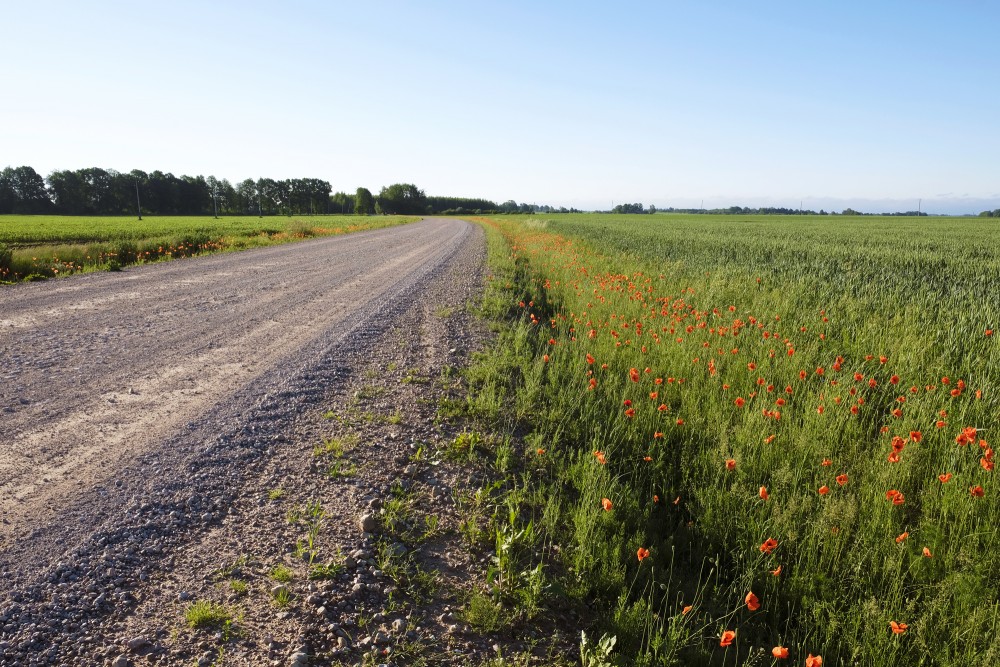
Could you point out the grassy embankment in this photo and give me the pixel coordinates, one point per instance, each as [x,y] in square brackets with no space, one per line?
[797,408]
[33,247]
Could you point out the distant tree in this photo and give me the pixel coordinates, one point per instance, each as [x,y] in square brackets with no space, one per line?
[364,203]
[402,199]
[341,202]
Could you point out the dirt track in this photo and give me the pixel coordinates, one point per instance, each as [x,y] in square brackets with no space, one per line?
[116,388]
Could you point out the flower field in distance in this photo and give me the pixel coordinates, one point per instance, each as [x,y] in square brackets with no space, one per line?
[757,440]
[57,245]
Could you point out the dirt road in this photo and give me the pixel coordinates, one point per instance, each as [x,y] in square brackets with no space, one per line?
[112,386]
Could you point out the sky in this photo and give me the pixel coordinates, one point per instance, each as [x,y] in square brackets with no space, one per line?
[880,106]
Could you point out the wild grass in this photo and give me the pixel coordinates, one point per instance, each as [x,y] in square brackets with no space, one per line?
[660,370]
[55,246]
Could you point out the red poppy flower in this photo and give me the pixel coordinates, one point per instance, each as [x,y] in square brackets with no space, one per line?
[769,545]
[927,553]
[841,479]
[814,661]
[779,652]
[642,553]
[730,464]
[600,457]
[633,374]
[945,478]
[902,537]
[727,638]
[777,571]
[898,628]
[823,490]
[740,402]
[606,504]
[763,493]
[977,491]
[753,604]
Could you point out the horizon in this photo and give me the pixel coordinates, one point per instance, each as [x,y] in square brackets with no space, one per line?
[877,109]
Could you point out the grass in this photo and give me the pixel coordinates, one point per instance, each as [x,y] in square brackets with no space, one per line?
[674,365]
[54,246]
[205,614]
[281,574]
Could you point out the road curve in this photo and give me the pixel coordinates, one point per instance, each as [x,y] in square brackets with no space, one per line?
[106,369]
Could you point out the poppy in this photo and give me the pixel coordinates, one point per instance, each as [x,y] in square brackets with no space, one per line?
[769,545]
[630,413]
[823,490]
[827,463]
[895,496]
[779,652]
[902,537]
[898,628]
[769,439]
[842,479]
[545,358]
[916,436]
[777,571]
[976,491]
[686,609]
[753,604]
[727,638]
[814,661]
[647,458]
[600,457]
[539,451]
[633,374]
[642,553]
[927,553]
[763,493]
[656,498]
[730,464]
[740,402]
[590,359]
[606,504]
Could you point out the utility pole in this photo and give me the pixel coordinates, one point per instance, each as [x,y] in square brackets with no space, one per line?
[260,211]
[138,206]
[215,201]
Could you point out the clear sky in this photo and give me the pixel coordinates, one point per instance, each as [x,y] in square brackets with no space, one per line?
[866,104]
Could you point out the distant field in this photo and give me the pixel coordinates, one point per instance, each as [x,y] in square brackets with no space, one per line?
[47,246]
[790,412]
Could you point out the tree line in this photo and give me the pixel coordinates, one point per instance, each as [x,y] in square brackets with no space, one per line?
[96,191]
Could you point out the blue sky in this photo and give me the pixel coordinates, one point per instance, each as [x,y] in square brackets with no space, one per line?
[866,104]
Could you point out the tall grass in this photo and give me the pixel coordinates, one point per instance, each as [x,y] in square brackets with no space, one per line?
[53,246]
[726,355]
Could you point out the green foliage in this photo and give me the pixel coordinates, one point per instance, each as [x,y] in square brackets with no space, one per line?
[721,309]
[205,614]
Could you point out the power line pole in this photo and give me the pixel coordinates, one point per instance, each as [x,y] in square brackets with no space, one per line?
[215,201]
[138,206]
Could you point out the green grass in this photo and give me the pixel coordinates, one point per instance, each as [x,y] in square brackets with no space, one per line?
[729,315]
[51,246]
[205,614]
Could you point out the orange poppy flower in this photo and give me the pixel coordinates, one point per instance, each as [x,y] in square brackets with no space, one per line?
[841,479]
[823,490]
[927,553]
[686,609]
[769,439]
[779,652]
[945,478]
[893,458]
[769,545]
[658,434]
[753,604]
[606,504]
[647,458]
[826,463]
[545,358]
[727,638]
[902,537]
[600,457]
[590,359]
[630,412]
[977,491]
[763,493]
[680,422]
[814,661]
[633,374]
[916,436]
[539,451]
[740,402]
[898,628]
[642,553]
[656,498]
[730,464]
[777,571]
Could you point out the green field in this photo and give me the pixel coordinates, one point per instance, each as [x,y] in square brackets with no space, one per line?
[38,246]
[660,370]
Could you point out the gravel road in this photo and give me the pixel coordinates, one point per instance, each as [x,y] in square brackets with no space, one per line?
[120,392]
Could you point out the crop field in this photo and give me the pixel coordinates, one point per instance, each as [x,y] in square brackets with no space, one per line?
[751,440]
[39,246]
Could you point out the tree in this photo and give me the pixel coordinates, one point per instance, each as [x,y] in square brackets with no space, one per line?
[364,203]
[402,199]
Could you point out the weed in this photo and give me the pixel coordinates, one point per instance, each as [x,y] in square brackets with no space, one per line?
[281,574]
[275,494]
[205,614]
